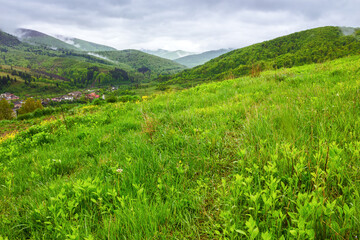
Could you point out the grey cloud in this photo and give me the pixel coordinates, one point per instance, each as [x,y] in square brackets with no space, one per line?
[189,24]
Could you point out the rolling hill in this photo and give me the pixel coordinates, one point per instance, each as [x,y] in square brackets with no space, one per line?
[41,39]
[83,45]
[138,59]
[59,42]
[199,59]
[76,69]
[309,46]
[8,40]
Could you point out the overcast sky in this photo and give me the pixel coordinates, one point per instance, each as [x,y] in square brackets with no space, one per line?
[192,25]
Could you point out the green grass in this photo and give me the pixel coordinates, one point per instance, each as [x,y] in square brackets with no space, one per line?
[272,157]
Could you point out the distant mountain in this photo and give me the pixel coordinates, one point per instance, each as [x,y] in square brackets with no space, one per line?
[59,42]
[8,40]
[41,39]
[296,49]
[140,60]
[199,59]
[168,54]
[85,45]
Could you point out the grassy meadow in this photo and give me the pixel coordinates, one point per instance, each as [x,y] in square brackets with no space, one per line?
[269,157]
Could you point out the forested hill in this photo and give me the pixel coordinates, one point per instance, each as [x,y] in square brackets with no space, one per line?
[72,69]
[41,39]
[143,62]
[310,46]
[8,40]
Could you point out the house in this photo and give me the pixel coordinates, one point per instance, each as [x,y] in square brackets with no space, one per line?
[75,95]
[56,99]
[9,96]
[17,105]
[67,98]
[92,96]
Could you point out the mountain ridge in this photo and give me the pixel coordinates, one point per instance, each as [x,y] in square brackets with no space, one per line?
[172,55]
[201,58]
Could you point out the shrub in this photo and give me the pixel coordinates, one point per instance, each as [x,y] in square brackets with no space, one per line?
[111,99]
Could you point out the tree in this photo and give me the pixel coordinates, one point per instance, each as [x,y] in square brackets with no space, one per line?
[30,105]
[5,110]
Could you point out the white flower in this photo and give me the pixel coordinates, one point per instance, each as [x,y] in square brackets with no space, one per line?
[119,170]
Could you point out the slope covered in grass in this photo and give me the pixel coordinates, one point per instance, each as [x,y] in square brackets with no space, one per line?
[271,157]
[310,46]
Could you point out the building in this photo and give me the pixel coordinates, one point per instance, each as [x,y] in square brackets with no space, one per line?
[92,96]
[9,96]
[75,95]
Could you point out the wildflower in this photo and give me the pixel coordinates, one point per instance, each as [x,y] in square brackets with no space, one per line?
[119,170]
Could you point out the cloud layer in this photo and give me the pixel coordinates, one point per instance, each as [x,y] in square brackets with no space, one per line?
[172,24]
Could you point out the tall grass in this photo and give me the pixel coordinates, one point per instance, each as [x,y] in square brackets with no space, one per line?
[254,158]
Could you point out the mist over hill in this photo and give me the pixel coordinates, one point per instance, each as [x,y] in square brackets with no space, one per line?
[199,59]
[168,54]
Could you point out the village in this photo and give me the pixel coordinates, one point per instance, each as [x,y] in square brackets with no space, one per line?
[72,96]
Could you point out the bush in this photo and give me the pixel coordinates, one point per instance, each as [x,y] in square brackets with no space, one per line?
[111,99]
[97,101]
[162,87]
[129,98]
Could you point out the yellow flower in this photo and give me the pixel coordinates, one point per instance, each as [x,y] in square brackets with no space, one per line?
[8,136]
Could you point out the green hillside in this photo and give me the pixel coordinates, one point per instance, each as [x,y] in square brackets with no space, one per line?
[83,45]
[41,39]
[92,47]
[69,69]
[137,60]
[8,40]
[59,42]
[264,157]
[310,46]
[199,59]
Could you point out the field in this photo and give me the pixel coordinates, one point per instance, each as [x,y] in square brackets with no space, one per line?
[269,157]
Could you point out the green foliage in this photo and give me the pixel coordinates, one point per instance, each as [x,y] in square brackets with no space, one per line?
[111,99]
[6,112]
[97,101]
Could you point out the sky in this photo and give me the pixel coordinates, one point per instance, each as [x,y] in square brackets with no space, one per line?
[190,25]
